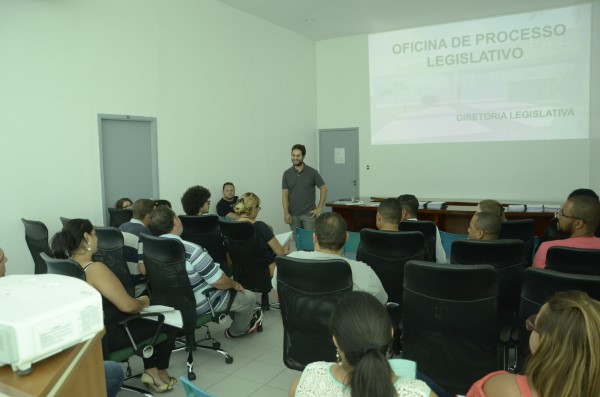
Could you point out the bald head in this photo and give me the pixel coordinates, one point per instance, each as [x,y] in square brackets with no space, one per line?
[484,226]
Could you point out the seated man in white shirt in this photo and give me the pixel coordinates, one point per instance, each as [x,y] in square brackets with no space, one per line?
[329,239]
[410,206]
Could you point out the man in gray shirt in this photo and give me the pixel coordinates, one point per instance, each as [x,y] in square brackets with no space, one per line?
[298,195]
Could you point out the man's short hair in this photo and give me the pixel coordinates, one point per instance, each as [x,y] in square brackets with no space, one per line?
[161,220]
[409,203]
[300,147]
[492,206]
[583,192]
[143,207]
[330,230]
[390,210]
[193,199]
[587,209]
[489,222]
[228,184]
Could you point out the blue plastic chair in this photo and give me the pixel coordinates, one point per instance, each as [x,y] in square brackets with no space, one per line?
[304,240]
[448,239]
[192,390]
[351,246]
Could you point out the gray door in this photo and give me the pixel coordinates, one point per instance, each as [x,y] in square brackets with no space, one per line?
[128,159]
[338,162]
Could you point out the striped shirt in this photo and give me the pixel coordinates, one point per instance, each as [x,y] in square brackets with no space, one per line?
[202,272]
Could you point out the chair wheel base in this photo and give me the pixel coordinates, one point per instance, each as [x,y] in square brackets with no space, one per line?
[228,360]
[216,345]
[191,376]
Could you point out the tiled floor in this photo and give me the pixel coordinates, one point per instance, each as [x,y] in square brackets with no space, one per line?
[257,368]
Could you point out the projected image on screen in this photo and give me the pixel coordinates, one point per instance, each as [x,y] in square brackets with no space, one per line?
[510,78]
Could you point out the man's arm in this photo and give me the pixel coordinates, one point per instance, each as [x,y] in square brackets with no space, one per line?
[285,202]
[322,199]
[225,282]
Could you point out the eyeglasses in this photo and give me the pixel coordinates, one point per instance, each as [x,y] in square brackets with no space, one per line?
[561,214]
[530,323]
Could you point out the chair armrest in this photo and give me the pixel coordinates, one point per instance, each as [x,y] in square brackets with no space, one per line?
[140,351]
[215,316]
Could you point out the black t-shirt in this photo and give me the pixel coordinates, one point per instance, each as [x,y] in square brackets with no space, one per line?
[264,234]
[225,207]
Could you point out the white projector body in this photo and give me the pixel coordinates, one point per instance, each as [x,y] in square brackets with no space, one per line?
[41,315]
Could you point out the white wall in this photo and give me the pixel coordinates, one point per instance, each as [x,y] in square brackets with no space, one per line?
[231,93]
[508,171]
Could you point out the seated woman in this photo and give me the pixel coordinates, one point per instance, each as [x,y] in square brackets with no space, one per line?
[362,334]
[78,241]
[247,208]
[124,203]
[565,347]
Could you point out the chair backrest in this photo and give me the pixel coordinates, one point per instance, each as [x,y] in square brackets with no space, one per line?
[520,229]
[304,240]
[64,267]
[508,257]
[386,253]
[119,216]
[539,285]
[110,252]
[449,322]
[428,229]
[36,237]
[250,267]
[308,292]
[167,277]
[64,220]
[573,260]
[206,232]
[193,390]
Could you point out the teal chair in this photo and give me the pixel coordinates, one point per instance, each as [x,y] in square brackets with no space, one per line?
[351,246]
[447,240]
[304,240]
[192,390]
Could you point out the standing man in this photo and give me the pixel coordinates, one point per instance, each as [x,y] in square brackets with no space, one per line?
[227,203]
[298,195]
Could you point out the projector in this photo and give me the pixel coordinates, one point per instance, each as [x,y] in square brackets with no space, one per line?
[41,315]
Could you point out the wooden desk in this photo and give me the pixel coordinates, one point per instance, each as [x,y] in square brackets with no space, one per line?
[77,371]
[454,219]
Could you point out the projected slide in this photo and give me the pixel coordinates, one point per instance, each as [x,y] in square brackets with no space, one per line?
[510,78]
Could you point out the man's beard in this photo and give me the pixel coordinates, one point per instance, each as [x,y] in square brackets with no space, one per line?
[562,234]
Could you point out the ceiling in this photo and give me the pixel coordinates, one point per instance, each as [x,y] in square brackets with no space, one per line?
[327,19]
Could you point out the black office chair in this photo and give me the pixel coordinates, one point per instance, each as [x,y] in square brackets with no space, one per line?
[508,257]
[64,220]
[386,253]
[206,232]
[573,260]
[539,285]
[110,252]
[68,267]
[520,229]
[308,292]
[36,237]
[429,231]
[250,267]
[168,280]
[450,324]
[119,216]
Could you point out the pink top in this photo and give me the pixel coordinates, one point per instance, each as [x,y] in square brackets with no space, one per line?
[477,389]
[576,242]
